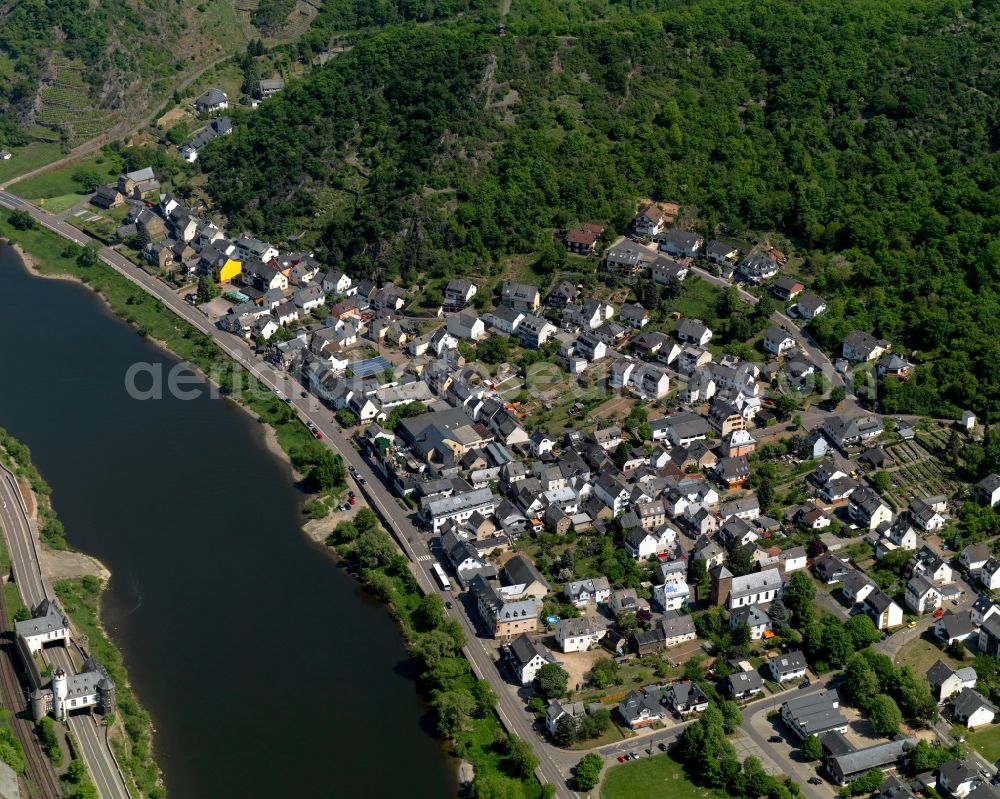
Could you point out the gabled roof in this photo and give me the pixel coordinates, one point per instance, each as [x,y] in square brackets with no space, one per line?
[524,649]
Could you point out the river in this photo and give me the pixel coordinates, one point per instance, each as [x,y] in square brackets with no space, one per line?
[266,670]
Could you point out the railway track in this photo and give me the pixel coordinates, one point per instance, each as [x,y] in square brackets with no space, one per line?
[39,768]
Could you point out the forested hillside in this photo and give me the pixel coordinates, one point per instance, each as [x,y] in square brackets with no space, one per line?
[865,130]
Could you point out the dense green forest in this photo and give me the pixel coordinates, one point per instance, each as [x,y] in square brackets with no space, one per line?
[865,130]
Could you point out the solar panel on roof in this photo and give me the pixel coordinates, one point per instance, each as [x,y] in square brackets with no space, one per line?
[369,366]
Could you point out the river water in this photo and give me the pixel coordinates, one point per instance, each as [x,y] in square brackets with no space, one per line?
[267,672]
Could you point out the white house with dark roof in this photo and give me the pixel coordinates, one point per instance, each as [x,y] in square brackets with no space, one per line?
[860,347]
[211,101]
[526,657]
[988,490]
[971,710]
[583,592]
[641,708]
[681,243]
[743,685]
[809,306]
[778,341]
[580,634]
[694,331]
[974,557]
[946,682]
[787,667]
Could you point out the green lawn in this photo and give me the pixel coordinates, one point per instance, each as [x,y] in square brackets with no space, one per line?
[650,778]
[921,654]
[27,158]
[697,300]
[987,742]
[59,183]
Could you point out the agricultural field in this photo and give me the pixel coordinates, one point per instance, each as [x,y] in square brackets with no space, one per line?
[100,224]
[917,471]
[67,106]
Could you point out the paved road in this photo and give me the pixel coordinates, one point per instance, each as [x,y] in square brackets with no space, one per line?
[758,728]
[22,541]
[555,764]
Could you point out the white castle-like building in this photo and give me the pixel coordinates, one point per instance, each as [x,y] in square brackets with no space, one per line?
[91,687]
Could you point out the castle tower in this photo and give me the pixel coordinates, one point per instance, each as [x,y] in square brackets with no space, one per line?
[60,690]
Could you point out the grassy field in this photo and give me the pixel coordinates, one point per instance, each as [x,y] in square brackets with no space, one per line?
[27,158]
[987,742]
[650,778]
[697,300]
[60,182]
[921,654]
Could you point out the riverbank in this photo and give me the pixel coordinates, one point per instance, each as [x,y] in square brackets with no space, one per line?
[78,581]
[464,705]
[479,744]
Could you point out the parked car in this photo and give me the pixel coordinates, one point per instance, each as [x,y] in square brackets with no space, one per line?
[663,747]
[362,481]
[814,781]
[775,739]
[622,758]
[448,604]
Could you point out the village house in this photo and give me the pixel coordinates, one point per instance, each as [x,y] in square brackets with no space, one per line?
[583,240]
[743,685]
[861,347]
[642,708]
[844,432]
[787,288]
[504,618]
[694,331]
[685,697]
[868,509]
[268,87]
[458,293]
[922,595]
[778,341]
[881,609]
[649,220]
[681,243]
[580,634]
[583,592]
[526,657]
[788,667]
[971,710]
[212,101]
[946,682]
[809,306]
[988,490]
[520,296]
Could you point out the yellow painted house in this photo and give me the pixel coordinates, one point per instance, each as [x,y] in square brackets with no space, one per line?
[230,269]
